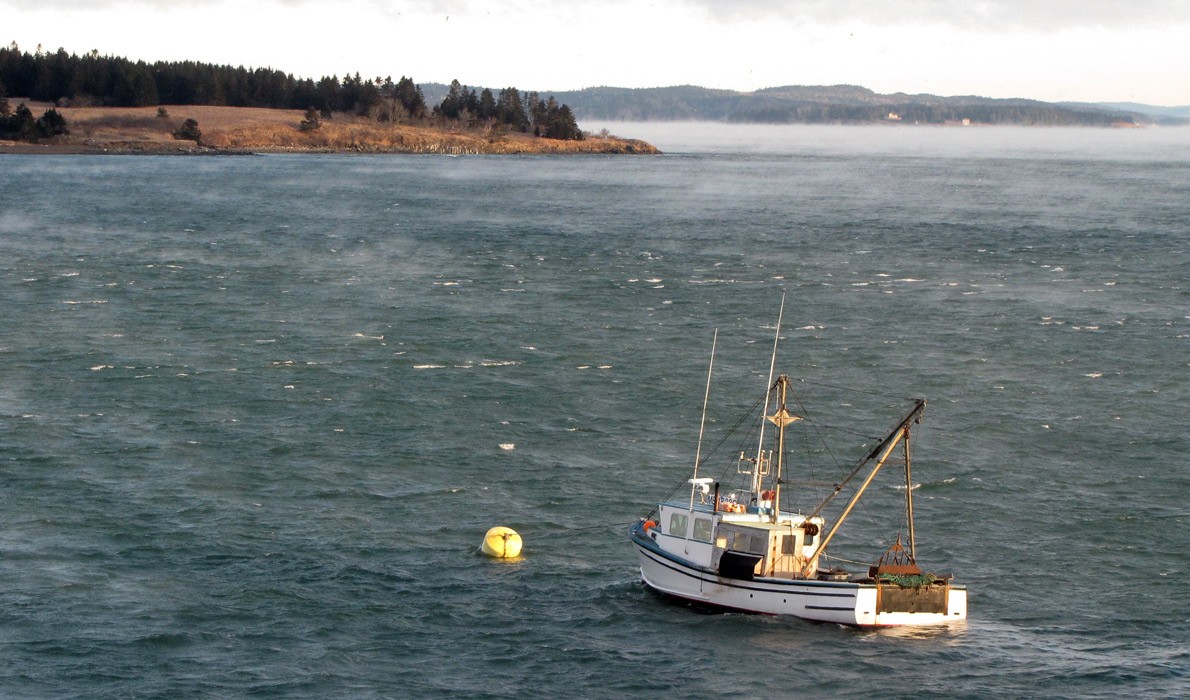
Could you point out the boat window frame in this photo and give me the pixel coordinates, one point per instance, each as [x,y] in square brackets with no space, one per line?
[678,524]
[702,529]
[747,541]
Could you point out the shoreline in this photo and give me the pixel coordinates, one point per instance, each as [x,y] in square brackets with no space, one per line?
[165,149]
[80,149]
[179,148]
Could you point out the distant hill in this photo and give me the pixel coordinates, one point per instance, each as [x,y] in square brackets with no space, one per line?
[838,104]
[1176,116]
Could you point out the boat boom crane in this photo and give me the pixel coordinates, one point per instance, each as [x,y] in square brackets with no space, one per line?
[884,448]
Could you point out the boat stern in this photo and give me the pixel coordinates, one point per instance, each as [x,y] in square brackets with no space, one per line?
[892,605]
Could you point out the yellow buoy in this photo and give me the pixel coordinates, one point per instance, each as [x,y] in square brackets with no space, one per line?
[502,543]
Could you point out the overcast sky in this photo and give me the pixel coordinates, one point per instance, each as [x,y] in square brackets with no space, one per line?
[1054,50]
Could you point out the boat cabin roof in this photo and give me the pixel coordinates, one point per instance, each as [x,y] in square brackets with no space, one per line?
[750,517]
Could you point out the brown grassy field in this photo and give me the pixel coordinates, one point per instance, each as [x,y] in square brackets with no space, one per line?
[246,129]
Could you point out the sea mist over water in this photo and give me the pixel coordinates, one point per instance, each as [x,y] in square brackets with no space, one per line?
[253,411]
[1151,144]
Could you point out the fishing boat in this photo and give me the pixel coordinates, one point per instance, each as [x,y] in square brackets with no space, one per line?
[731,543]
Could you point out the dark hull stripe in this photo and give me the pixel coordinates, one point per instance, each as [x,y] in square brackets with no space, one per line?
[774,585]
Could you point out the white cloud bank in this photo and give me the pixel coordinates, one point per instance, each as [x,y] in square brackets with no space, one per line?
[1056,50]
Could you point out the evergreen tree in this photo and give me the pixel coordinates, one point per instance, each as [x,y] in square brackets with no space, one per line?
[189,131]
[135,86]
[304,93]
[369,97]
[454,103]
[388,94]
[51,124]
[17,70]
[329,96]
[511,111]
[470,102]
[487,105]
[311,122]
[20,125]
[563,125]
[538,113]
[351,93]
[24,126]
[410,97]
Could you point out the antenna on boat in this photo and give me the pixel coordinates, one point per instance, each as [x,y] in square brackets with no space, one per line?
[756,473]
[703,423]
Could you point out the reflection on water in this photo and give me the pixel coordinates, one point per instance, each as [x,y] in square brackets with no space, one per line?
[950,633]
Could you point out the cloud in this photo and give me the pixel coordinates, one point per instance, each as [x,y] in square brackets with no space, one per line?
[1045,16]
[420,6]
[1047,49]
[1036,15]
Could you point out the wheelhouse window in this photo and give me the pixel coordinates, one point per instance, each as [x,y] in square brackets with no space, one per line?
[744,542]
[702,529]
[677,524]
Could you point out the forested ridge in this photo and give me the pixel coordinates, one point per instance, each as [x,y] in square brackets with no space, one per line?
[64,79]
[830,104]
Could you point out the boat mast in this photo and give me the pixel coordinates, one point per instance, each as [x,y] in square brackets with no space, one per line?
[781,418]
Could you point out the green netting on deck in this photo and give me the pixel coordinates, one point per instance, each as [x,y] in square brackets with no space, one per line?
[909,580]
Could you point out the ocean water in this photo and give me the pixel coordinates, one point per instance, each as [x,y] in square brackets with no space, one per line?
[256,413]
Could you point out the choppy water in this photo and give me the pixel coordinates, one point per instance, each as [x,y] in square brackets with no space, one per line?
[255,413]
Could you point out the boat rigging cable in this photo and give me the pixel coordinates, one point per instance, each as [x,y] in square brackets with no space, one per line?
[756,473]
[703,423]
[891,439]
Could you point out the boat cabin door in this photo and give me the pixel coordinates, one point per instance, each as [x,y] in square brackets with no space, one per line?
[786,553]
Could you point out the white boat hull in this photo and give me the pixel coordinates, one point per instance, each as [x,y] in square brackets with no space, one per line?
[841,602]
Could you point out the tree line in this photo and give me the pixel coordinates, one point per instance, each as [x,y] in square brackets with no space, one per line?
[546,118]
[91,79]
